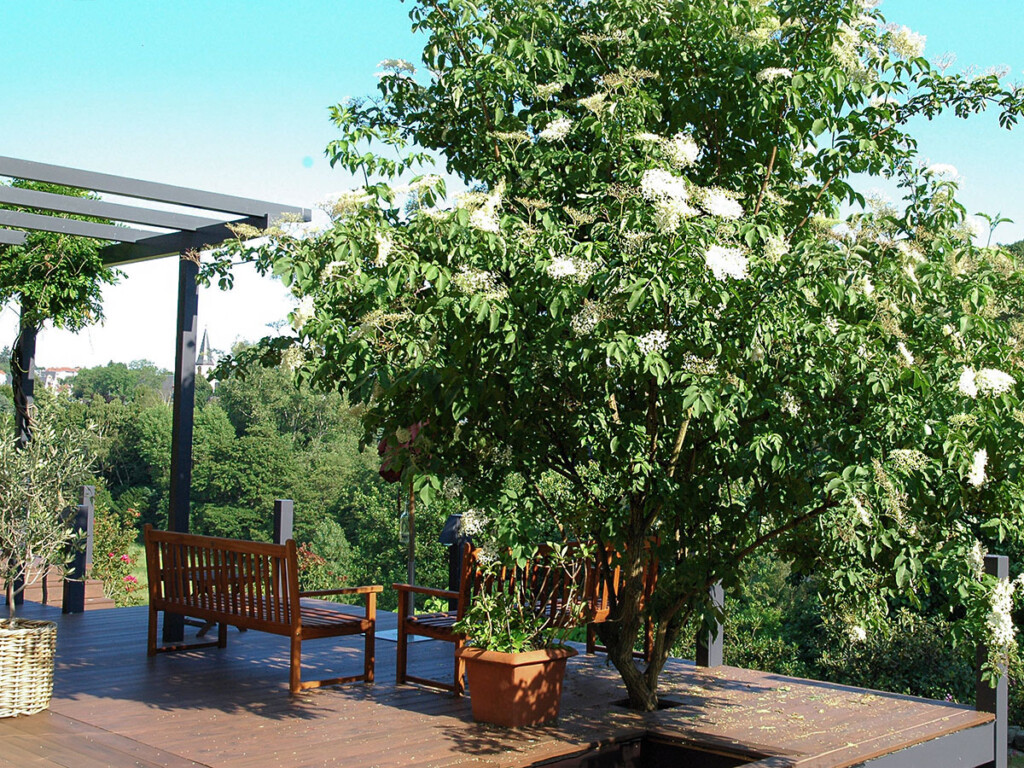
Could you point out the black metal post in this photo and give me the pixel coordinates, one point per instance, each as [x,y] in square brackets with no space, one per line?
[74,578]
[987,698]
[711,639]
[284,519]
[184,409]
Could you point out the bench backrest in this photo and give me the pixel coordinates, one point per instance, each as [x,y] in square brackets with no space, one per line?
[210,577]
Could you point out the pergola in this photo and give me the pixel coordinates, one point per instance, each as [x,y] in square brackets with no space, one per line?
[171,233]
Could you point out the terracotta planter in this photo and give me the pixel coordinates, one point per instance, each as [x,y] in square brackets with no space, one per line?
[515,689]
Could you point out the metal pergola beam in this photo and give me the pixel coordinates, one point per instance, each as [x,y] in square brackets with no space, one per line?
[101,209]
[187,233]
[143,190]
[154,246]
[59,225]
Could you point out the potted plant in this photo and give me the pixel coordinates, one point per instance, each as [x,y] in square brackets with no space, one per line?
[37,483]
[527,600]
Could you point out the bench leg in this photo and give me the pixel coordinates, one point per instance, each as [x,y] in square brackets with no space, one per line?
[222,635]
[368,659]
[295,667]
[591,639]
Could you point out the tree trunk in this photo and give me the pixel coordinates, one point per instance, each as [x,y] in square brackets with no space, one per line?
[23,380]
[619,634]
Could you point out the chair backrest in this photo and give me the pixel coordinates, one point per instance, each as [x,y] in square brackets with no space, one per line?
[208,576]
[569,592]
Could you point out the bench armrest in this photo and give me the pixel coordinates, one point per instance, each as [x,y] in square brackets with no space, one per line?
[343,591]
[370,592]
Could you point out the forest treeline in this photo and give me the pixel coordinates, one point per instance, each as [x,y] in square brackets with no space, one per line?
[256,439]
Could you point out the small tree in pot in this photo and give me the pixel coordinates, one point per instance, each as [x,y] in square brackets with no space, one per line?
[37,485]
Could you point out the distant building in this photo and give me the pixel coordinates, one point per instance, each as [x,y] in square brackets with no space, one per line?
[4,378]
[56,378]
[205,361]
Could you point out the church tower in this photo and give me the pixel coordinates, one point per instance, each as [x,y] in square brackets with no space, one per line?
[205,361]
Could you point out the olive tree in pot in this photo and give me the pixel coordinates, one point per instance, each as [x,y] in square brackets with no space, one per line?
[528,597]
[37,486]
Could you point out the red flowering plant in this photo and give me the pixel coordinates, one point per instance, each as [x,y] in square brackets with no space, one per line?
[114,534]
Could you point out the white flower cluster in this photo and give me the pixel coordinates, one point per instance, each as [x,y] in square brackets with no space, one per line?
[726,262]
[563,267]
[698,365]
[720,203]
[483,209]
[588,317]
[862,511]
[831,324]
[398,66]
[775,248]
[908,460]
[548,90]
[344,203]
[556,130]
[595,103]
[452,487]
[943,171]
[976,559]
[905,43]
[1000,619]
[670,197]
[302,313]
[487,554]
[858,634]
[473,523]
[992,381]
[976,477]
[888,100]
[987,381]
[659,184]
[790,404]
[682,150]
[908,358]
[471,281]
[655,341]
[911,251]
[771,74]
[648,138]
[384,247]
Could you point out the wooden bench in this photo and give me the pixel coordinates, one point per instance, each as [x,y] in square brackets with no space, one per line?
[251,585]
[596,594]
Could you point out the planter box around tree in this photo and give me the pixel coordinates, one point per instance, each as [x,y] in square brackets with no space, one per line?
[515,689]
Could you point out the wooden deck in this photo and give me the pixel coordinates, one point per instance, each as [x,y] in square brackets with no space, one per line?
[114,706]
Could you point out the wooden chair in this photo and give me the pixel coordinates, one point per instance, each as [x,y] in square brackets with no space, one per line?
[555,597]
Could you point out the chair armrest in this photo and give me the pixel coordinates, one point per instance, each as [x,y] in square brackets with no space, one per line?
[445,593]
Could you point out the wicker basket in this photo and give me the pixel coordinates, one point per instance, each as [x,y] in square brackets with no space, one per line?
[26,666]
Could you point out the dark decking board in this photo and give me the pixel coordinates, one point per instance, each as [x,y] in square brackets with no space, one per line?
[230,708]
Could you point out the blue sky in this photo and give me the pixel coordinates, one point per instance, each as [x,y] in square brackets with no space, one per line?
[232,96]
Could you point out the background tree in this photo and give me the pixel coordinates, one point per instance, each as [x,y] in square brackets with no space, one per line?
[53,277]
[648,299]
